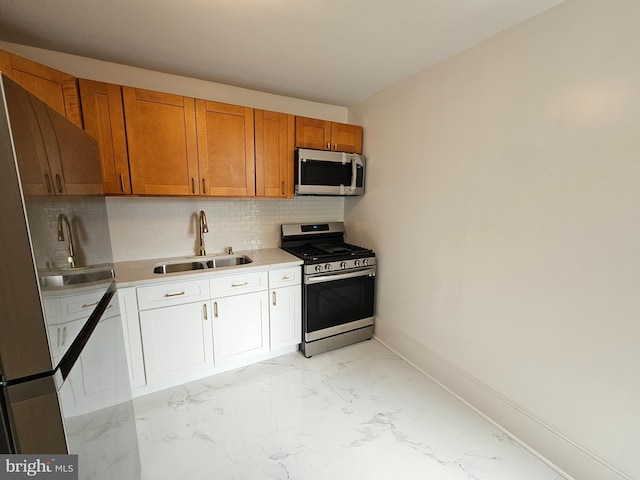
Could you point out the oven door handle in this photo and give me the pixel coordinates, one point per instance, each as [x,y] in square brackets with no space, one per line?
[340,276]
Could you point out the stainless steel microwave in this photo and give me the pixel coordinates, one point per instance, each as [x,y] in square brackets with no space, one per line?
[318,172]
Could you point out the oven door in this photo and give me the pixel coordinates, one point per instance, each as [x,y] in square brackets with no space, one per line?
[333,302]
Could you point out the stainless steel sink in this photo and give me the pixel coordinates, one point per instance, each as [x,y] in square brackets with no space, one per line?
[76,276]
[179,267]
[209,263]
[228,261]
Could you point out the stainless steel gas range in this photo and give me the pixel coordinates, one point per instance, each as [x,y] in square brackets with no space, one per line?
[338,287]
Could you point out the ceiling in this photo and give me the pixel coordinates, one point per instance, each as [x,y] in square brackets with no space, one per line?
[331,51]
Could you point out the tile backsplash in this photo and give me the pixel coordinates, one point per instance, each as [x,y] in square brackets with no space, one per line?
[167,227]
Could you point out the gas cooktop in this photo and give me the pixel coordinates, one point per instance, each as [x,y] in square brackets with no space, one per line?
[320,243]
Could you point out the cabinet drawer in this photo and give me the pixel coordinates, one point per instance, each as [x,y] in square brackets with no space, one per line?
[285,277]
[168,294]
[237,284]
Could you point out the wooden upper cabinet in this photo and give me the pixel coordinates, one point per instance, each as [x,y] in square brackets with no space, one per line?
[325,135]
[274,140]
[225,149]
[162,142]
[55,157]
[103,116]
[57,89]
[5,62]
[346,138]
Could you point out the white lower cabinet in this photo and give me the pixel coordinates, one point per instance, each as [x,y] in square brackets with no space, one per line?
[240,327]
[176,341]
[184,330]
[285,314]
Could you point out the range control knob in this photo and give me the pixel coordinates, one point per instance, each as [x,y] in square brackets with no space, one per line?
[357,263]
[365,262]
[343,264]
[327,267]
[318,268]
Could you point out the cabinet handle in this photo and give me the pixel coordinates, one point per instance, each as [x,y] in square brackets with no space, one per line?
[328,146]
[273,295]
[215,309]
[59,183]
[286,277]
[283,192]
[174,294]
[335,146]
[243,284]
[64,336]
[193,185]
[87,305]
[58,337]
[206,314]
[48,182]
[122,183]
[204,185]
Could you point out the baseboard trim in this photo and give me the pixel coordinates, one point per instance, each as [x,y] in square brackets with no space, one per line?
[542,440]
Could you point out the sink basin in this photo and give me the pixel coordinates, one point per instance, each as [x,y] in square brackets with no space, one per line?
[179,267]
[210,263]
[228,261]
[77,276]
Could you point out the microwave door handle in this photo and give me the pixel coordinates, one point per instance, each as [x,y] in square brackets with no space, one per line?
[354,173]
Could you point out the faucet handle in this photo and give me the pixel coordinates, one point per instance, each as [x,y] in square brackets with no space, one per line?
[229,250]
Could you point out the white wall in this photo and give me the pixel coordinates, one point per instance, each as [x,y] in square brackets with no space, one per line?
[503,200]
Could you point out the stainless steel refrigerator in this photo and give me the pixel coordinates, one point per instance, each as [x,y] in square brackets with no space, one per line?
[64,381]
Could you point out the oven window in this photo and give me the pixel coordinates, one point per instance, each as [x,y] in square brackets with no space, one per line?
[318,172]
[329,304]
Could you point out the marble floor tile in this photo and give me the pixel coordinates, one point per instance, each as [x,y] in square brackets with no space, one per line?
[356,412]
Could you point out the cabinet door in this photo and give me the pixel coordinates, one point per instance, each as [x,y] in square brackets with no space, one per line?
[104,119]
[274,154]
[225,149]
[285,314]
[28,143]
[54,155]
[346,138]
[132,339]
[313,133]
[162,142]
[57,89]
[73,155]
[176,341]
[240,327]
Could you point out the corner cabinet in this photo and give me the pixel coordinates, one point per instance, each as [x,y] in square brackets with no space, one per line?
[325,135]
[162,142]
[56,156]
[181,331]
[274,141]
[103,116]
[57,89]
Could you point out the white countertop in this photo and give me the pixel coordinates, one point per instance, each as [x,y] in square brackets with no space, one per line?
[140,272]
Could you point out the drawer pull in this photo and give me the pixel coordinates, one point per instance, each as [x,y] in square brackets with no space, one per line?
[87,305]
[243,284]
[286,277]
[174,294]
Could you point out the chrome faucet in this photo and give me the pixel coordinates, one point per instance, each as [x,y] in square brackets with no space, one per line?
[202,222]
[62,218]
